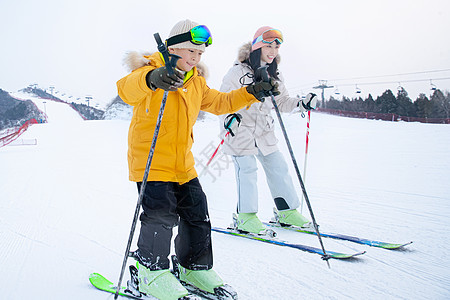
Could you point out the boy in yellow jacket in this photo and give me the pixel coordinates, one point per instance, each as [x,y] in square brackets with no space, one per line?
[173,194]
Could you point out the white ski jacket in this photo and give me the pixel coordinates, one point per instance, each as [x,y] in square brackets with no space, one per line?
[257,125]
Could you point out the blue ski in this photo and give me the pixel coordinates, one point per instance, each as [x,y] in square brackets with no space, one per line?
[278,242]
[344,237]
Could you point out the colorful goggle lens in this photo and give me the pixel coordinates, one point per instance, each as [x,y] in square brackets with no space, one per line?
[269,36]
[201,35]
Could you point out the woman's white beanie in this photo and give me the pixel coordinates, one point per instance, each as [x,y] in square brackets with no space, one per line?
[182,27]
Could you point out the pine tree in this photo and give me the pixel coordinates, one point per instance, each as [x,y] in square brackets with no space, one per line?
[386,103]
[405,106]
[423,106]
[440,104]
[369,104]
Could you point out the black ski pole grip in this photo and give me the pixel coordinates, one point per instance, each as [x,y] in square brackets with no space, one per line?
[262,74]
[173,61]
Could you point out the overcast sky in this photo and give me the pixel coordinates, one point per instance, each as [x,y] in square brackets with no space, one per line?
[78,46]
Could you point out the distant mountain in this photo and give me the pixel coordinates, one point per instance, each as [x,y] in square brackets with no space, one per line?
[39,92]
[88,112]
[118,110]
[14,112]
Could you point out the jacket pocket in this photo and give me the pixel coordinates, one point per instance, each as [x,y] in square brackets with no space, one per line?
[270,123]
[269,138]
[243,140]
[147,135]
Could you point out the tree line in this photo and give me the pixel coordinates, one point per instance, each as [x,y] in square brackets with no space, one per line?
[437,106]
[15,112]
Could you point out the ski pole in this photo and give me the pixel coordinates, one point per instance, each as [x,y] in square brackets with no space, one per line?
[232,121]
[265,77]
[171,61]
[213,155]
[306,153]
[217,149]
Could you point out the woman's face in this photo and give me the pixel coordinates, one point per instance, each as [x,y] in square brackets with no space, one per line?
[269,52]
[189,58]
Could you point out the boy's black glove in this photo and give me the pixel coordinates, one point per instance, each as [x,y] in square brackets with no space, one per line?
[160,79]
[263,89]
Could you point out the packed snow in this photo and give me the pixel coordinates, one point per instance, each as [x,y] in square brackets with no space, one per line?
[66,208]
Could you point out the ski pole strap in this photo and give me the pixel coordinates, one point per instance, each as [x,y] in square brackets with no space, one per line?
[163,50]
[169,59]
[232,122]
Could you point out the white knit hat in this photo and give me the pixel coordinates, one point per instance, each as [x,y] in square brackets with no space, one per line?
[182,27]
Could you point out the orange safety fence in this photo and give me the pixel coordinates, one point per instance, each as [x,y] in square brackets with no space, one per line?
[12,134]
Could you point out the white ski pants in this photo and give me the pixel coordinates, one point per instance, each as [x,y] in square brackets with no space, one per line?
[277,177]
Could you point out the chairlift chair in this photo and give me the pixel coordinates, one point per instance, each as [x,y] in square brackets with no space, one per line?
[433,87]
[336,91]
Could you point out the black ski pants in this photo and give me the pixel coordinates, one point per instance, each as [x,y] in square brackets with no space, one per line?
[166,205]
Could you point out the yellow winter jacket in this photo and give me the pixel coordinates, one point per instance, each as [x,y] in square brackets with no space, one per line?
[173,160]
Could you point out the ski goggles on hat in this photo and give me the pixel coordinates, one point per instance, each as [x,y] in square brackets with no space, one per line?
[269,36]
[198,35]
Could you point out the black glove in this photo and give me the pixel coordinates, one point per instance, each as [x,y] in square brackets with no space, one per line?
[160,79]
[263,89]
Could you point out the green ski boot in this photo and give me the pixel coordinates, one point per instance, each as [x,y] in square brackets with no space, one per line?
[161,284]
[203,283]
[249,222]
[206,280]
[293,218]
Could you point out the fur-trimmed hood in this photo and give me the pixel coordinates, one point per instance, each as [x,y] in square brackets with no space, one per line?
[244,53]
[134,60]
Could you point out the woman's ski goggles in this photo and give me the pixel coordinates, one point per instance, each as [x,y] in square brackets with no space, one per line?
[198,35]
[269,36]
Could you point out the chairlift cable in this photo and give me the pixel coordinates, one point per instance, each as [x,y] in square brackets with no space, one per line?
[400,74]
[388,82]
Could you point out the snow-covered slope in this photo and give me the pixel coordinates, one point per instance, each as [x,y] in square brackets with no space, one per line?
[66,207]
[58,113]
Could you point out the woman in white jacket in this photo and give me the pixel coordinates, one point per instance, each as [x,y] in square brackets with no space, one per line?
[255,138]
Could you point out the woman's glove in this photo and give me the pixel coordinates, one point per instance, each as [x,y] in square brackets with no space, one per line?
[263,89]
[310,101]
[161,79]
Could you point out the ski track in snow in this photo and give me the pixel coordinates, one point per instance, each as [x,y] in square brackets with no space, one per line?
[66,207]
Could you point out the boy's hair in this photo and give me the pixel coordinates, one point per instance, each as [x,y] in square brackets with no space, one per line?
[254,61]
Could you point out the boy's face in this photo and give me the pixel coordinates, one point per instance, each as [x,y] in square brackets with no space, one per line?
[189,58]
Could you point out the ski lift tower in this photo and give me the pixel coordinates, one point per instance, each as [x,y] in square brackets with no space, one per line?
[88,98]
[323,85]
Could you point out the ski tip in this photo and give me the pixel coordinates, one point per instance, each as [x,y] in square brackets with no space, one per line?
[95,276]
[347,256]
[99,280]
[395,246]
